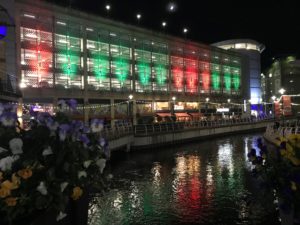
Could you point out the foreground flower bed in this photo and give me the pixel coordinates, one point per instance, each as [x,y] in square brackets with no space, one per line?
[279,171]
[46,166]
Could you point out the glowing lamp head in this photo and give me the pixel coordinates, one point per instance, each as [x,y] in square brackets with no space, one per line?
[130,97]
[173,98]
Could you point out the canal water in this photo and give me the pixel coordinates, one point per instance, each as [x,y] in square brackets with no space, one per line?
[208,182]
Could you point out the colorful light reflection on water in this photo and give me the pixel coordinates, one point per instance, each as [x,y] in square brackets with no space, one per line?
[200,183]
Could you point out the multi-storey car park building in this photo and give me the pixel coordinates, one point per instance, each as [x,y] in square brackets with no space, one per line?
[63,53]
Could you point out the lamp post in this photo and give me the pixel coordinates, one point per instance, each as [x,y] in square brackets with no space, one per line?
[173,108]
[138,16]
[273,105]
[107,7]
[185,30]
[206,105]
[282,91]
[130,97]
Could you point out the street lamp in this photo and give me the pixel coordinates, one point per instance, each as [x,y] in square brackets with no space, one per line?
[107,7]
[164,24]
[229,100]
[282,91]
[206,105]
[138,16]
[274,99]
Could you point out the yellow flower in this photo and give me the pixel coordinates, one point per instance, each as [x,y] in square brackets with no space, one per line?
[16,181]
[4,192]
[25,173]
[295,161]
[11,201]
[7,185]
[293,186]
[77,192]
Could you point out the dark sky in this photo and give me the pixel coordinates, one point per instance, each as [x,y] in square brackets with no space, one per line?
[277,24]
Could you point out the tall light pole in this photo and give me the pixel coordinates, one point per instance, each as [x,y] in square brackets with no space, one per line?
[273,105]
[206,105]
[164,24]
[138,16]
[107,7]
[185,30]
[282,91]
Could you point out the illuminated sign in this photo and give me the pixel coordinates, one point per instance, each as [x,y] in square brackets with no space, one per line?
[3,31]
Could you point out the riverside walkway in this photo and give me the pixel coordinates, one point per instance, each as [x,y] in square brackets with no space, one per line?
[126,136]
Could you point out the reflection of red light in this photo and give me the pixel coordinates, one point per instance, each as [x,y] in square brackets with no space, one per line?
[195,191]
[192,81]
[205,80]
[177,74]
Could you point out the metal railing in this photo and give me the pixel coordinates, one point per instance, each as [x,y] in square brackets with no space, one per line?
[148,129]
[117,131]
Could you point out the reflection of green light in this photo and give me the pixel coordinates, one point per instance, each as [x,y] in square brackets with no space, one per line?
[101,65]
[122,69]
[144,72]
[236,79]
[161,74]
[70,66]
[215,80]
[227,79]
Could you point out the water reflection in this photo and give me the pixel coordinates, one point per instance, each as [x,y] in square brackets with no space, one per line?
[204,183]
[225,157]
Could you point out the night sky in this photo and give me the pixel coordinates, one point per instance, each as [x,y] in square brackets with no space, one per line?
[276,25]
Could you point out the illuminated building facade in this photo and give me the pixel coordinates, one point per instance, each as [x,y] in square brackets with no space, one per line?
[63,53]
[252,50]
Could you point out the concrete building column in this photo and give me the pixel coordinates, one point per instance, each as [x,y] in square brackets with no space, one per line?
[112,113]
[134,121]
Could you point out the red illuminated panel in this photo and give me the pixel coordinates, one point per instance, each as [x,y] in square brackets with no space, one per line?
[205,75]
[40,61]
[177,74]
[191,81]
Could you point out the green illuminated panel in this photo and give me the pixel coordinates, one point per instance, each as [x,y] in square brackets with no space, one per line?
[215,76]
[236,79]
[144,72]
[101,65]
[161,75]
[227,78]
[121,70]
[70,65]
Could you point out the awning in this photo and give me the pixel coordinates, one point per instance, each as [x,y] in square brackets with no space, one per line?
[182,115]
[163,114]
[196,114]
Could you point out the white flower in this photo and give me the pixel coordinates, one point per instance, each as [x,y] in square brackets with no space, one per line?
[6,163]
[82,174]
[60,216]
[42,188]
[8,121]
[3,150]
[102,142]
[87,163]
[101,164]
[109,176]
[96,125]
[63,186]
[47,151]
[16,145]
